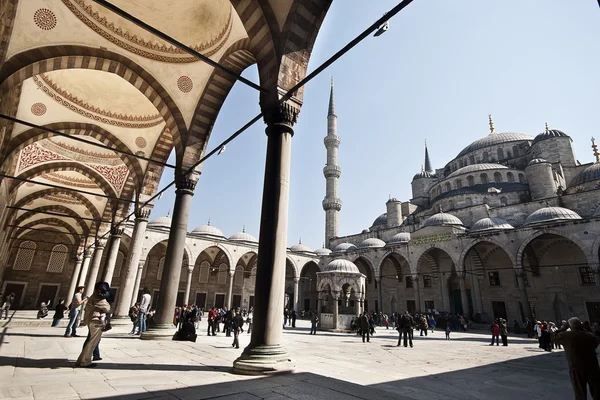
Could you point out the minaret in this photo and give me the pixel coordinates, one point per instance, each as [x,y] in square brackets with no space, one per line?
[427,160]
[331,204]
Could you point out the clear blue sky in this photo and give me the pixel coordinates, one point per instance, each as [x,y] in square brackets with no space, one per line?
[436,74]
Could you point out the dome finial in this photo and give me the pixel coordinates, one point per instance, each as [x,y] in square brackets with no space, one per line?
[422,170]
[169,213]
[208,221]
[492,130]
[244,228]
[487,211]
[300,240]
[547,129]
[441,210]
[595,147]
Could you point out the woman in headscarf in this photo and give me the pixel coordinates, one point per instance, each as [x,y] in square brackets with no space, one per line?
[95,317]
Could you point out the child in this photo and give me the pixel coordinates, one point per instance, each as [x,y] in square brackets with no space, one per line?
[447,332]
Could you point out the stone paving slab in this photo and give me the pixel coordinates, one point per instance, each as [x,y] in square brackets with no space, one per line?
[38,363]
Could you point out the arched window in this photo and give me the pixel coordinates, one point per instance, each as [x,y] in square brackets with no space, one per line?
[253,278]
[450,205]
[500,154]
[510,177]
[516,151]
[238,278]
[204,271]
[503,201]
[222,279]
[497,177]
[521,178]
[25,256]
[57,259]
[448,187]
[161,266]
[471,160]
[483,178]
[486,156]
[470,180]
[119,264]
[458,183]
[468,202]
[523,198]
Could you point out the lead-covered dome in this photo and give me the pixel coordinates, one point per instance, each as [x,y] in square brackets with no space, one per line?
[341,265]
[443,219]
[162,222]
[551,214]
[495,139]
[243,237]
[380,221]
[208,230]
[371,243]
[323,252]
[402,237]
[301,248]
[344,247]
[490,224]
[469,169]
[590,174]
[537,161]
[423,174]
[549,134]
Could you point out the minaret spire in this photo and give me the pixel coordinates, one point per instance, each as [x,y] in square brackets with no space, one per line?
[427,160]
[331,203]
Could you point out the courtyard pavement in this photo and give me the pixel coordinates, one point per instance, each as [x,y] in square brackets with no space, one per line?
[36,362]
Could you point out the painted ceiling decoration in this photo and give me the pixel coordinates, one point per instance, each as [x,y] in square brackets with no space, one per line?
[80,181]
[207,24]
[45,19]
[38,109]
[77,153]
[62,198]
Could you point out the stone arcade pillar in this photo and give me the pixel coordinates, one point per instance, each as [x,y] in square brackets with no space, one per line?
[74,278]
[265,354]
[95,268]
[357,301]
[230,275]
[296,295]
[188,285]
[417,288]
[113,251]
[87,256]
[379,295]
[463,294]
[138,282]
[445,293]
[476,295]
[335,299]
[523,293]
[169,285]
[135,252]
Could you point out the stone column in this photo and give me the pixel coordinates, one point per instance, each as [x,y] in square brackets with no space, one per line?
[133,261]
[445,294]
[463,295]
[296,295]
[523,293]
[334,297]
[476,295]
[138,282]
[113,251]
[87,257]
[169,284]
[188,285]
[95,268]
[357,301]
[379,294]
[265,353]
[417,288]
[230,275]
[74,278]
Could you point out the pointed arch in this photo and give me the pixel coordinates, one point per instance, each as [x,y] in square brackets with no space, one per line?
[54,208]
[74,236]
[572,238]
[41,193]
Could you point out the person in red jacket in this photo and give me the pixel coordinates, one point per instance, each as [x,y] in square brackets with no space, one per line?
[495,328]
[212,320]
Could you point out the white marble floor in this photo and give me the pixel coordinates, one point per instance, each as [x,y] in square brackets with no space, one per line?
[37,363]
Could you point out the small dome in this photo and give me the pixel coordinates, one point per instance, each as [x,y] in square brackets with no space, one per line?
[494,139]
[537,161]
[366,230]
[423,174]
[344,247]
[551,214]
[469,169]
[380,221]
[371,243]
[549,134]
[162,222]
[590,174]
[243,237]
[341,265]
[323,252]
[490,224]
[208,230]
[442,219]
[402,237]
[301,248]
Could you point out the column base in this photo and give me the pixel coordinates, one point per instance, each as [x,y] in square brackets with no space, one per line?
[263,360]
[159,332]
[119,320]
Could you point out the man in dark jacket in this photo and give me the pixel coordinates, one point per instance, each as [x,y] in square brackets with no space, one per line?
[238,326]
[580,350]
[363,323]
[406,325]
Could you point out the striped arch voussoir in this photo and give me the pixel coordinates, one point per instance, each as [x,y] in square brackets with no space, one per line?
[58,209]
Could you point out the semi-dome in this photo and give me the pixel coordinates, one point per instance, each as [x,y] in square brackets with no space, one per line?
[380,221]
[469,169]
[490,224]
[371,243]
[551,214]
[243,237]
[537,161]
[322,252]
[402,237]
[162,222]
[443,219]
[344,247]
[208,230]
[423,174]
[548,134]
[341,265]
[301,248]
[590,174]
[495,139]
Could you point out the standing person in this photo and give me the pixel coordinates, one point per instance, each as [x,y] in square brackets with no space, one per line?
[495,328]
[538,333]
[406,324]
[134,314]
[580,350]
[463,323]
[423,325]
[431,322]
[75,309]
[448,332]
[314,320]
[212,320]
[237,324]
[143,311]
[293,318]
[504,332]
[285,317]
[228,319]
[8,302]
[95,313]
[363,323]
[59,313]
[249,321]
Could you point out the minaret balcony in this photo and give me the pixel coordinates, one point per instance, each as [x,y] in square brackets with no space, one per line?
[332,140]
[332,171]
[332,204]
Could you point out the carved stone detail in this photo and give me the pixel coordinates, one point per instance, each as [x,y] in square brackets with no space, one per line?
[117,231]
[281,113]
[186,182]
[143,213]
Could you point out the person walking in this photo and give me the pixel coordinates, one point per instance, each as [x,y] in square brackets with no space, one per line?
[293,318]
[237,324]
[143,311]
[423,325]
[212,320]
[406,324]
[7,304]
[75,309]
[228,322]
[448,332]
[580,350]
[363,323]
[314,320]
[95,313]
[504,332]
[59,313]
[495,328]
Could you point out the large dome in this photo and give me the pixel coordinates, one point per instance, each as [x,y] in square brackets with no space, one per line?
[548,134]
[469,169]
[162,222]
[344,247]
[208,230]
[243,237]
[494,139]
[443,219]
[590,174]
[490,224]
[301,248]
[323,252]
[423,174]
[371,243]
[551,214]
[402,237]
[380,221]
[341,265]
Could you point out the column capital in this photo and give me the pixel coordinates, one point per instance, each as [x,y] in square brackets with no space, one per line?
[296,280]
[79,258]
[186,182]
[285,113]
[142,213]
[116,231]
[87,253]
[100,244]
[141,264]
[190,269]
